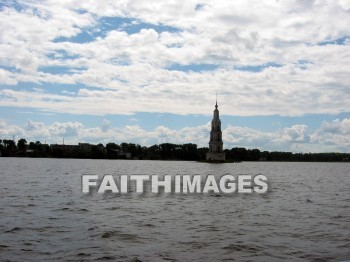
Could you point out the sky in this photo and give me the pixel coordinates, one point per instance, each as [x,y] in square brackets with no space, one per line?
[148,72]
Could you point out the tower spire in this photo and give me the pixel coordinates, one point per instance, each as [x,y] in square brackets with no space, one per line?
[216,103]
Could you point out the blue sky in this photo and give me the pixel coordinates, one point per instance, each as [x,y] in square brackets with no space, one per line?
[147,72]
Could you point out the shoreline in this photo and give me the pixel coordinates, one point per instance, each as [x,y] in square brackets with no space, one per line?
[175,160]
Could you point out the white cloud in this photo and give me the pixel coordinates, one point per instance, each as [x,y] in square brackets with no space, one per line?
[68,129]
[7,130]
[337,126]
[296,133]
[248,137]
[7,78]
[335,134]
[106,124]
[132,70]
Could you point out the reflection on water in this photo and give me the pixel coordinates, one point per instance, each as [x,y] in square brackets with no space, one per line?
[44,216]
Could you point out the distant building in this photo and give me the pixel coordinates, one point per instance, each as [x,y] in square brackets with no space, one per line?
[85,146]
[122,154]
[216,153]
[65,147]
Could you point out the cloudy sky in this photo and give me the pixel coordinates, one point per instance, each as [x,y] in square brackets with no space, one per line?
[147,72]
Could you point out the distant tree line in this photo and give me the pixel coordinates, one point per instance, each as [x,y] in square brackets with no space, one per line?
[243,154]
[164,151]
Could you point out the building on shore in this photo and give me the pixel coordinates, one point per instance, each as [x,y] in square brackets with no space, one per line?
[216,153]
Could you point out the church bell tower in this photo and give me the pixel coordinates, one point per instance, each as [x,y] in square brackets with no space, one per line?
[216,153]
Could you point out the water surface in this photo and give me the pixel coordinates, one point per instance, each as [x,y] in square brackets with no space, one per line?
[305,216]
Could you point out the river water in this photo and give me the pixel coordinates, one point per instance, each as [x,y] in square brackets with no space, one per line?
[304,216]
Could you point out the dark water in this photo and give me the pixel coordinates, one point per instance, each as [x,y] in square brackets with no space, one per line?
[305,216]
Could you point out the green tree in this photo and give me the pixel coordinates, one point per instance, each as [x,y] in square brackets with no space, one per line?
[98,151]
[22,144]
[38,145]
[112,149]
[31,146]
